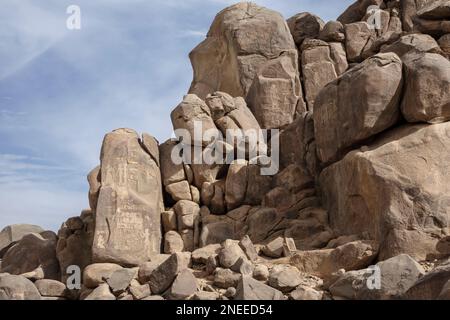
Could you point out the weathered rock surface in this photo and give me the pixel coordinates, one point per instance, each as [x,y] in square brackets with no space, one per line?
[323,263]
[127,226]
[258,46]
[31,252]
[164,275]
[396,276]
[51,288]
[427,89]
[14,287]
[74,246]
[396,190]
[251,289]
[11,234]
[337,126]
[430,286]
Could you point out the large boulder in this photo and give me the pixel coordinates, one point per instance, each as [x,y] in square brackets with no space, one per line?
[324,263]
[250,46]
[430,286]
[13,233]
[394,276]
[317,68]
[31,252]
[17,288]
[75,238]
[396,190]
[357,105]
[427,88]
[357,11]
[305,25]
[127,224]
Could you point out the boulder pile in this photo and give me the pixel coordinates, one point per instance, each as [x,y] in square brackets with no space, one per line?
[358,203]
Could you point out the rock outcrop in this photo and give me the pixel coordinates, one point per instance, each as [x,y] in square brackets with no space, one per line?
[345,196]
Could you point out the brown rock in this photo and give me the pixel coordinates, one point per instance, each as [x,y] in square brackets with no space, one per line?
[96,274]
[323,263]
[363,194]
[258,47]
[284,278]
[12,234]
[74,246]
[251,289]
[51,288]
[179,191]
[170,171]
[337,126]
[173,242]
[164,275]
[332,31]
[17,288]
[357,36]
[185,285]
[127,226]
[305,25]
[427,89]
[430,286]
[31,252]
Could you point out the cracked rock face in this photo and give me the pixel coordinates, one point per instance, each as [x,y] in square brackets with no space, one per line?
[127,226]
[249,52]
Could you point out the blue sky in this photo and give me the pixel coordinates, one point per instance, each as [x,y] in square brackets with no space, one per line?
[62,90]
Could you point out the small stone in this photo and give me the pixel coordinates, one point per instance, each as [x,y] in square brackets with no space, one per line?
[284,277]
[169,220]
[17,288]
[261,272]
[251,289]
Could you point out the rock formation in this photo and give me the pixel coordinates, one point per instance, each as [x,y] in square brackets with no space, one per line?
[357,201]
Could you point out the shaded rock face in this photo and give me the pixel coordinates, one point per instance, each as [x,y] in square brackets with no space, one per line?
[127,226]
[337,125]
[74,246]
[395,189]
[17,288]
[249,52]
[31,252]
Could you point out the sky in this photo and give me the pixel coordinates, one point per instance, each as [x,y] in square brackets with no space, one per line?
[62,90]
